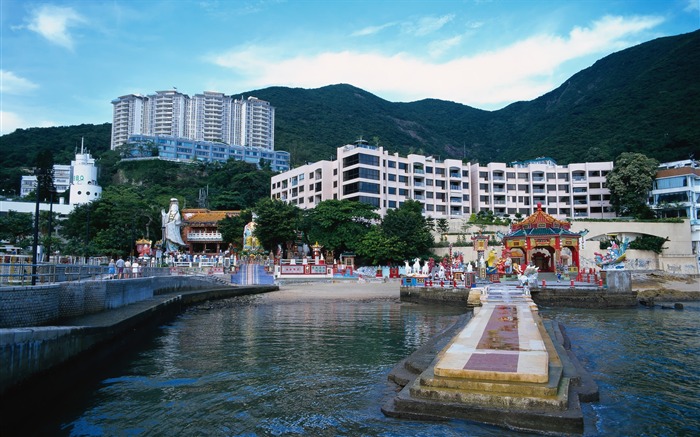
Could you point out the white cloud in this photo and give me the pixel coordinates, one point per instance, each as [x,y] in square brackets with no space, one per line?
[692,6]
[11,121]
[371,30]
[13,84]
[428,25]
[521,71]
[52,22]
[437,48]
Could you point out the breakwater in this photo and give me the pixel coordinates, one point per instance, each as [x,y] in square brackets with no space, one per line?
[27,352]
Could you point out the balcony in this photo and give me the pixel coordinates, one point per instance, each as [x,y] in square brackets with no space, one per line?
[204,236]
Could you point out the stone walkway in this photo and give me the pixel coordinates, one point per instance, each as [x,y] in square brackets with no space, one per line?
[501,342]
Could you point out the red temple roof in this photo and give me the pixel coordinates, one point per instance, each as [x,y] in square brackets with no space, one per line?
[540,220]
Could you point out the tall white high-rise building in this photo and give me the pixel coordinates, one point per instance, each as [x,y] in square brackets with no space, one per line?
[257,128]
[166,113]
[209,116]
[128,117]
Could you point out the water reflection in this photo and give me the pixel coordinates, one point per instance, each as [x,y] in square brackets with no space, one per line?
[243,367]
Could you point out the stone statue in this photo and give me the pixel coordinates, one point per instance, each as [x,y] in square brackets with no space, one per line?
[171,222]
[250,241]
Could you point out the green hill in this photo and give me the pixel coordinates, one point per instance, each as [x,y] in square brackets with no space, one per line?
[642,99]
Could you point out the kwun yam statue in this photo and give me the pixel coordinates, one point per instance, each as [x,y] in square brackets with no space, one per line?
[171,222]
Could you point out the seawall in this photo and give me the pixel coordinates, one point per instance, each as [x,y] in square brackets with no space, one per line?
[28,353]
[49,304]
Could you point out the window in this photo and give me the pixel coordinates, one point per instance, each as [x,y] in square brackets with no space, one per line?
[392,164]
[403,192]
[392,177]
[666,183]
[361,158]
[361,172]
[392,190]
[361,187]
[428,169]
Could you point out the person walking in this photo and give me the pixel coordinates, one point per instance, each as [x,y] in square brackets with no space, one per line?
[112,269]
[120,267]
[127,268]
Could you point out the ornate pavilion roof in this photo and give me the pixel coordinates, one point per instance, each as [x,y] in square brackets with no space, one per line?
[540,224]
[206,217]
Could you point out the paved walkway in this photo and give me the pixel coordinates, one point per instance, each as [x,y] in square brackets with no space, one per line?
[502,342]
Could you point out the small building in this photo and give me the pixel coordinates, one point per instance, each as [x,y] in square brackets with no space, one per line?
[545,242]
[200,230]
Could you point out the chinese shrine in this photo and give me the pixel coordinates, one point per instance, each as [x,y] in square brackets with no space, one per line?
[201,230]
[543,241]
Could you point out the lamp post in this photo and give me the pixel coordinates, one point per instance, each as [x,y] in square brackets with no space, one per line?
[48,241]
[35,243]
[87,232]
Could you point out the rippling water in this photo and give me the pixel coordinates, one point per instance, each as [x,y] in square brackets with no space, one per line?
[243,367]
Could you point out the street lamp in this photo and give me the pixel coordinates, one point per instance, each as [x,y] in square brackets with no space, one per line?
[48,241]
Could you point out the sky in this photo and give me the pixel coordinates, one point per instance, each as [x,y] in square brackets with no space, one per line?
[63,62]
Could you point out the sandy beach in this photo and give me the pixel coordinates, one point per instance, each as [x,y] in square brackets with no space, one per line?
[334,290]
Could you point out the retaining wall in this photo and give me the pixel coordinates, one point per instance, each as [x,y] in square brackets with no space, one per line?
[46,304]
[28,354]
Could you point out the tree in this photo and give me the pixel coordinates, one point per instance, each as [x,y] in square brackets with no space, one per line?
[112,224]
[443,226]
[16,227]
[339,225]
[629,183]
[276,222]
[407,225]
[378,248]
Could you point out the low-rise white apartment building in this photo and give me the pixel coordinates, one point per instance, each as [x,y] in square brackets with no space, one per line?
[448,188]
[574,190]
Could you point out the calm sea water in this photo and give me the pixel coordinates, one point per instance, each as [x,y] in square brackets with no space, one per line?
[243,367]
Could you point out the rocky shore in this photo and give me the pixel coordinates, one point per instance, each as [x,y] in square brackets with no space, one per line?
[666,287]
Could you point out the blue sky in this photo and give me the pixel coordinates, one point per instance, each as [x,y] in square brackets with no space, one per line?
[62,63]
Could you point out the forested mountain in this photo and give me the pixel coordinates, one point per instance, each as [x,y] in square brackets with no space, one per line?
[642,99]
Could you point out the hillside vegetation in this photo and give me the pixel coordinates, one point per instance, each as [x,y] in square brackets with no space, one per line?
[641,99]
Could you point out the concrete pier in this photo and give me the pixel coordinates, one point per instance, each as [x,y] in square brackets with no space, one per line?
[502,368]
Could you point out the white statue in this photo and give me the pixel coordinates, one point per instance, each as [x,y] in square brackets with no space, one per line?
[416,266]
[408,268]
[426,268]
[171,222]
[441,273]
[469,267]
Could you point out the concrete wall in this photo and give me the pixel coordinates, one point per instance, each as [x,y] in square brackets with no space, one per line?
[46,304]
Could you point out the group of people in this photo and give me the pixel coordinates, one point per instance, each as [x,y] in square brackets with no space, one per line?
[121,269]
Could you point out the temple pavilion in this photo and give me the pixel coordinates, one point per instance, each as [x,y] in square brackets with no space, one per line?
[543,241]
[200,230]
